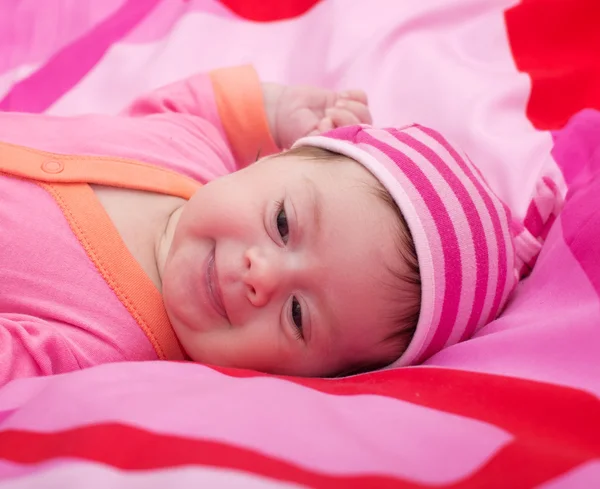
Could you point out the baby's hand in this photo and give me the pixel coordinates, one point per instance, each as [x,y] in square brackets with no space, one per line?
[297,111]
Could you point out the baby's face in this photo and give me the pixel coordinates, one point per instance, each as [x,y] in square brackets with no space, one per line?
[281,267]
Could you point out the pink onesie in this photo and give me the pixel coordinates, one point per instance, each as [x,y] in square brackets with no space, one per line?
[72,296]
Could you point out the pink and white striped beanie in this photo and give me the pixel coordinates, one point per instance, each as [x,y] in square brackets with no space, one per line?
[461,230]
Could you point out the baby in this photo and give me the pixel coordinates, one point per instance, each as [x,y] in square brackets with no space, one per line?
[357,249]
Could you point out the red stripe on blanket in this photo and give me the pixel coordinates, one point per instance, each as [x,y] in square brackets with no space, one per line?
[558,44]
[65,69]
[269,10]
[524,463]
[525,408]
[549,439]
[130,448]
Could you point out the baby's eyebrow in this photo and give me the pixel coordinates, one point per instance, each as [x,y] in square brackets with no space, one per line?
[317,203]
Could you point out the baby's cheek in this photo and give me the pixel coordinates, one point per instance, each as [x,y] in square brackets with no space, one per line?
[251,347]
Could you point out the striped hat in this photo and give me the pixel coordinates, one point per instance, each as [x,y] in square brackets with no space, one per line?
[461,230]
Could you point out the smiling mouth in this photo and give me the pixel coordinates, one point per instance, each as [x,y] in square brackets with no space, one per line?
[214,289]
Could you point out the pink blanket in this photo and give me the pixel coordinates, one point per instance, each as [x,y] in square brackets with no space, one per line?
[517,406]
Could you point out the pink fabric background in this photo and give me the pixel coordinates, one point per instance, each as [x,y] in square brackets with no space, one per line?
[441,63]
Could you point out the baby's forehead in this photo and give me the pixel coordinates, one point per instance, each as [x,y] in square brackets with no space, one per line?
[334,171]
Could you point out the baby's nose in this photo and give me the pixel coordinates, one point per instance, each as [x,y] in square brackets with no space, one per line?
[262,276]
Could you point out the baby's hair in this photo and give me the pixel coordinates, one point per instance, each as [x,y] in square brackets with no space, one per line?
[405,284]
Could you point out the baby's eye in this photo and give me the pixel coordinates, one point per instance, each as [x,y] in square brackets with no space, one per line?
[282,225]
[297,317]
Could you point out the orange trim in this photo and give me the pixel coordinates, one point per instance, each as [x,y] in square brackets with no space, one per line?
[113,172]
[65,178]
[103,244]
[239,99]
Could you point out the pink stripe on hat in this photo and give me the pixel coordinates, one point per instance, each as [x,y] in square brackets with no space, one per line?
[437,201]
[461,230]
[474,239]
[498,213]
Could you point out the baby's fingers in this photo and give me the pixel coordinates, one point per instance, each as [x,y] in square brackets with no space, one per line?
[360,110]
[342,117]
[326,124]
[357,95]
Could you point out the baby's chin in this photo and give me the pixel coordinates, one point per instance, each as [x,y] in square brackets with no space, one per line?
[179,312]
[182,324]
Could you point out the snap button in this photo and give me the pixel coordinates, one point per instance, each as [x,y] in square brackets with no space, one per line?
[53,166]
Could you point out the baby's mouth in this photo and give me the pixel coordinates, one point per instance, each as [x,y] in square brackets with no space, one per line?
[214,287]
